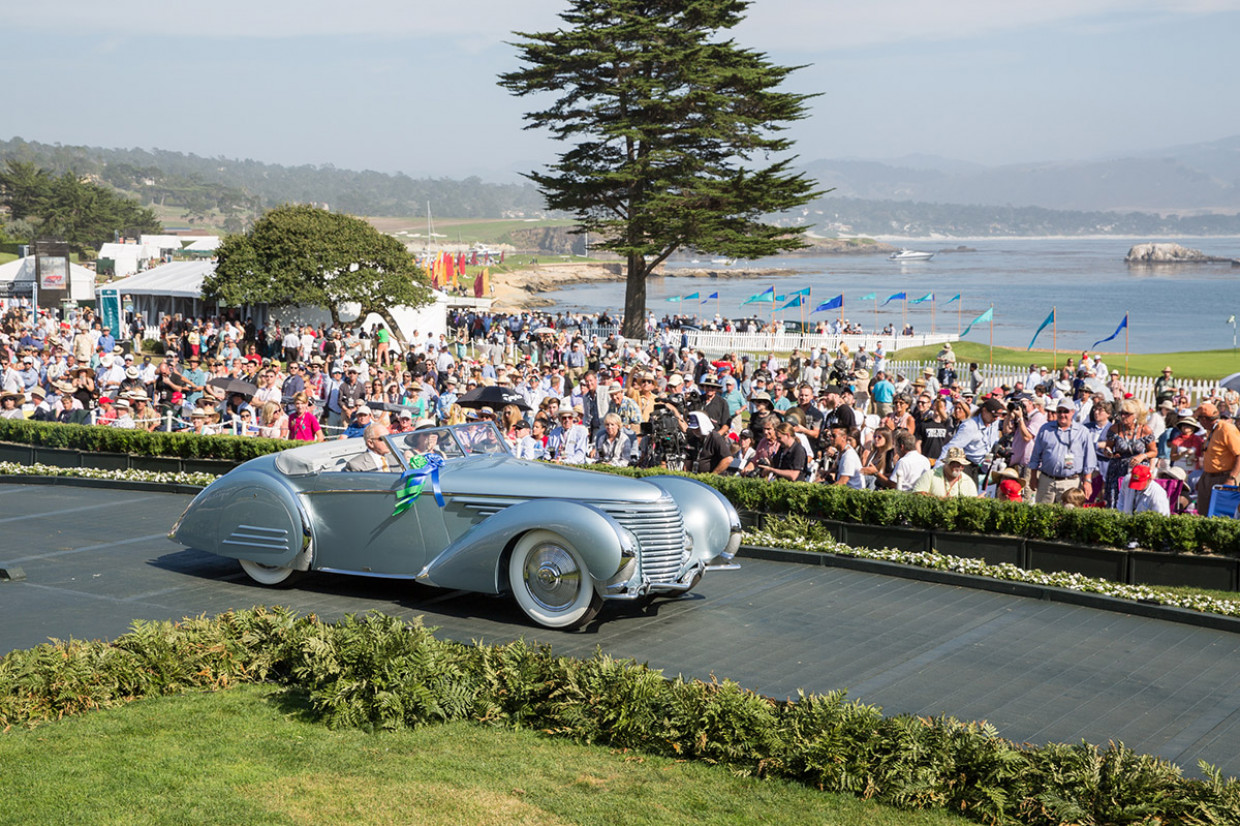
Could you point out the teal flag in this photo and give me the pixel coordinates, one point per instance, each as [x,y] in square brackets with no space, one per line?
[804,292]
[796,302]
[955,297]
[868,297]
[984,317]
[1050,319]
[926,297]
[691,296]
[766,295]
[674,298]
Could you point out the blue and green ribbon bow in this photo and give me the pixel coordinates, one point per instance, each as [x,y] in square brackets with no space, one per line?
[411,482]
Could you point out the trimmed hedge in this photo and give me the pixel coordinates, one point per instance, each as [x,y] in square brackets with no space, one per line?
[1086,526]
[98,439]
[380,673]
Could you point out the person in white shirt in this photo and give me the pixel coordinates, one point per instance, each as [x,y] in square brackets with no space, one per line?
[570,442]
[848,469]
[911,465]
[1138,493]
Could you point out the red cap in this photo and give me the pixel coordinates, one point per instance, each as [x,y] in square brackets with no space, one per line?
[1140,478]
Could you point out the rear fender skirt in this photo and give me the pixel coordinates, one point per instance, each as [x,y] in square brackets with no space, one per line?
[476,561]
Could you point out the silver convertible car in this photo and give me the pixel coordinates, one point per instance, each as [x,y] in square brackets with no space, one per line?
[455,509]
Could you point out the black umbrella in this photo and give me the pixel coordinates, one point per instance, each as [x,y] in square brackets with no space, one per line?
[229,386]
[492,396]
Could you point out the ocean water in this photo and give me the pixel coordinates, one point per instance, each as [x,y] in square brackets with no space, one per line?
[1169,308]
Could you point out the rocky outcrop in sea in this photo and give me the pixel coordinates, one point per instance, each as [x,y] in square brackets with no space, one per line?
[1145,254]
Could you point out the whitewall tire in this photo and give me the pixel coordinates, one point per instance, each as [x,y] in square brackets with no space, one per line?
[270,575]
[550,581]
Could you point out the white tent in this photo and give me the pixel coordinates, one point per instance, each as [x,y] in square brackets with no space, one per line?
[128,258]
[168,289]
[206,243]
[171,243]
[18,277]
[177,288]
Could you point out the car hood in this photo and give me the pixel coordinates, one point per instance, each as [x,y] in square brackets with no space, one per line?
[507,476]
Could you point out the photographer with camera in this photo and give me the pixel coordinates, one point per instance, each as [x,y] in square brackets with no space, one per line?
[663,442]
[713,454]
[1025,418]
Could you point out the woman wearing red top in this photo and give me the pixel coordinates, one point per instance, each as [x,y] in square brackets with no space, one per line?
[304,425]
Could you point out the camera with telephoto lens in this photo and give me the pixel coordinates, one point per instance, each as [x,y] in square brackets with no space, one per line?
[663,442]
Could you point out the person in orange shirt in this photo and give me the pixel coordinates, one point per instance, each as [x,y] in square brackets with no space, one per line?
[1220,462]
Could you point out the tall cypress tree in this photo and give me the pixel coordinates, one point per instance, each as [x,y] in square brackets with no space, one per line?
[666,119]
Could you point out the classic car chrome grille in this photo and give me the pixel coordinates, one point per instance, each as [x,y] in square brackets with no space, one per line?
[661,530]
[263,539]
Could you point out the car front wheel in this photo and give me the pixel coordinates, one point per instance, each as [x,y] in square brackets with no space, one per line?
[269,575]
[551,582]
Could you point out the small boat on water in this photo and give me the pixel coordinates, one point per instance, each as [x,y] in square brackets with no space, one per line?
[910,255]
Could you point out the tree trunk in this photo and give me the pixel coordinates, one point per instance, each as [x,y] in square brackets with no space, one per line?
[396,331]
[635,299]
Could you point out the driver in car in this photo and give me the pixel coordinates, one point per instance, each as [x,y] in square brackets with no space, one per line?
[377,452]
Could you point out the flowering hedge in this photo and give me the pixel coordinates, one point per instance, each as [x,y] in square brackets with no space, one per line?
[164,477]
[799,534]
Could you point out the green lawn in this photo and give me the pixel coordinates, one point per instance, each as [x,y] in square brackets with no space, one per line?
[249,756]
[1201,364]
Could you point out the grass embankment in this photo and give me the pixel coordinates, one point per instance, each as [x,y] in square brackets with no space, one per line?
[250,755]
[1200,364]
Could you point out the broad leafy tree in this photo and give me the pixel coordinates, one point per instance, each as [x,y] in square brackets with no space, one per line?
[302,255]
[671,125]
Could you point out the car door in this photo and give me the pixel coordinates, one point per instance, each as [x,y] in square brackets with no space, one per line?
[354,528]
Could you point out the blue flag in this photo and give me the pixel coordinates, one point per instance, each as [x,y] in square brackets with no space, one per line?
[796,302]
[926,297]
[984,317]
[833,304]
[896,297]
[955,297]
[868,297]
[709,297]
[1118,330]
[1049,320]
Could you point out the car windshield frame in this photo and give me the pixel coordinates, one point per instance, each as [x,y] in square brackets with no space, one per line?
[450,442]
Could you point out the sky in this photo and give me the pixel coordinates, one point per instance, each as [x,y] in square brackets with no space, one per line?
[393,85]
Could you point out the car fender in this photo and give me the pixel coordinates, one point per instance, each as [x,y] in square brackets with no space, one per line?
[247,514]
[477,560]
[710,519]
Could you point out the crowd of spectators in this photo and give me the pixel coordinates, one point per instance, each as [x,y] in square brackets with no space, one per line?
[1070,436]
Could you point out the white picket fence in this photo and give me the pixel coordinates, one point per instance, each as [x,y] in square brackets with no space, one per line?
[1141,387]
[716,344]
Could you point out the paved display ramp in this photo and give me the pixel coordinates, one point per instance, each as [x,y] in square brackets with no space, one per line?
[1038,670]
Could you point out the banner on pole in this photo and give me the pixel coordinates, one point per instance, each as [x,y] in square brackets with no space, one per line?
[1050,319]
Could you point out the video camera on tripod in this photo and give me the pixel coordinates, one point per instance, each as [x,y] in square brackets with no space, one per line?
[663,442]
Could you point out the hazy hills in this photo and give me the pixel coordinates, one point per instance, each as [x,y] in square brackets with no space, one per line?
[1183,190]
[1192,179]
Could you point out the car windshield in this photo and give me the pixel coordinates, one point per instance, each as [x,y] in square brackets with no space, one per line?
[454,442]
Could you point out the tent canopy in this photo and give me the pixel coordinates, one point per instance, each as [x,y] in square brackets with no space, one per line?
[180,279]
[81,279]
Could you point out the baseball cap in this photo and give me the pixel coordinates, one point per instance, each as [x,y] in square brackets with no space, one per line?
[364,410]
[1064,404]
[956,454]
[700,421]
[1140,478]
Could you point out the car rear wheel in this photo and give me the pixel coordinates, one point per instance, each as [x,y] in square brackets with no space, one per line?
[270,575]
[550,581]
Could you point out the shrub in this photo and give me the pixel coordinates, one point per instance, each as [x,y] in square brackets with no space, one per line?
[377,672]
